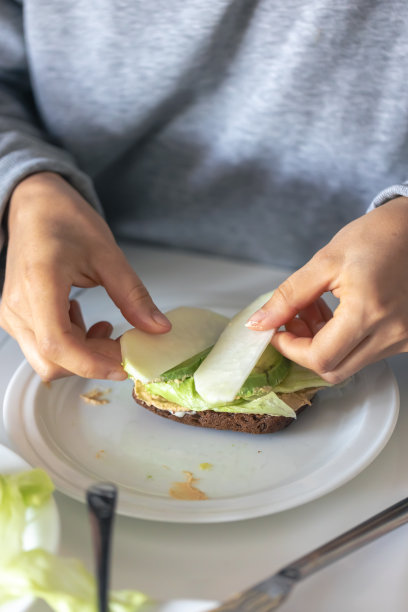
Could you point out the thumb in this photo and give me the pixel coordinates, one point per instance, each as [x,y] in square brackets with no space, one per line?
[296,293]
[128,292]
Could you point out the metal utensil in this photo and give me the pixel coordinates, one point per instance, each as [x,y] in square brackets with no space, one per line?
[101,500]
[270,593]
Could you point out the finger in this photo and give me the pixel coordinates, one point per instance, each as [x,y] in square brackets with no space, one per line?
[314,315]
[130,295]
[75,314]
[296,293]
[322,353]
[47,370]
[363,354]
[4,321]
[107,347]
[102,329]
[56,341]
[298,327]
[17,329]
[326,311]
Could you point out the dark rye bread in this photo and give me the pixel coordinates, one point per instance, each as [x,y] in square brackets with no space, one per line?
[247,423]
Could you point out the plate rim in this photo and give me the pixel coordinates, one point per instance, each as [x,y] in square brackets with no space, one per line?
[185,513]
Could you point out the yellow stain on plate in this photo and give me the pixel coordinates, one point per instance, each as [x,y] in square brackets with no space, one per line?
[186,490]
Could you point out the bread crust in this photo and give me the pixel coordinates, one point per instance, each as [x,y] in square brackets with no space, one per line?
[246,423]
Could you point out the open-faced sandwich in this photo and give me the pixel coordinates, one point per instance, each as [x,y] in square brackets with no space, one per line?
[210,371]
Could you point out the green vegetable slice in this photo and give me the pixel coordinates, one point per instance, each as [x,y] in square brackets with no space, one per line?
[225,369]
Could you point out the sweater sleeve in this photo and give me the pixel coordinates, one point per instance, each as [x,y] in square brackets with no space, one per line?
[389,193]
[25,147]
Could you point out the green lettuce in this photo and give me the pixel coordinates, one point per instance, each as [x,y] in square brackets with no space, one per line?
[184,394]
[299,378]
[18,492]
[65,584]
[259,400]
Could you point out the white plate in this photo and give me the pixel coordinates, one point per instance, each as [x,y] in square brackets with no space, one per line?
[144,454]
[43,529]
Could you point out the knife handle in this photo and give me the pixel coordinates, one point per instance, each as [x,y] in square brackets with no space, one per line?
[348,542]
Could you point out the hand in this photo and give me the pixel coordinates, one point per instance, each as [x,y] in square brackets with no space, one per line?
[365,267]
[56,241]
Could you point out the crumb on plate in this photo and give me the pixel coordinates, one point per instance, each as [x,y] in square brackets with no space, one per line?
[96,396]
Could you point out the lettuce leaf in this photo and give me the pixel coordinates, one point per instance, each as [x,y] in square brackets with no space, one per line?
[18,492]
[300,378]
[184,394]
[65,584]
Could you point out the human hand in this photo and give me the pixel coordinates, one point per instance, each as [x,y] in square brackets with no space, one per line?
[364,266]
[56,241]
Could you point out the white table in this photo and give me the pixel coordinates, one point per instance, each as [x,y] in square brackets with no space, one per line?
[211,561]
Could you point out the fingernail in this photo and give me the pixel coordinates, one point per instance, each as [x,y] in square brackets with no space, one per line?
[160,318]
[256,319]
[117,375]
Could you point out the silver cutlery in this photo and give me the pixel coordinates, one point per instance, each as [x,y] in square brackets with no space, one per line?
[264,596]
[271,593]
[101,501]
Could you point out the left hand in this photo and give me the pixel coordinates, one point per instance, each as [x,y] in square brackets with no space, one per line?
[365,267]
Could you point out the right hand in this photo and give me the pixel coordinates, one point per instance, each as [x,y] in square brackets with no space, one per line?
[56,241]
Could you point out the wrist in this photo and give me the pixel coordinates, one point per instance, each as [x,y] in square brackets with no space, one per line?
[34,183]
[391,218]
[32,194]
[398,199]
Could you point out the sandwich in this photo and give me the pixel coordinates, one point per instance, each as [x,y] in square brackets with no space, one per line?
[215,373]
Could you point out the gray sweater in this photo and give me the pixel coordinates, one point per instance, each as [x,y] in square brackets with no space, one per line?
[249,128]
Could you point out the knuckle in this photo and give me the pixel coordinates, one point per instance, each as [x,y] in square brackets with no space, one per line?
[12,300]
[322,365]
[323,256]
[397,333]
[49,347]
[326,260]
[400,331]
[86,370]
[5,323]
[332,377]
[376,313]
[47,371]
[285,292]
[138,294]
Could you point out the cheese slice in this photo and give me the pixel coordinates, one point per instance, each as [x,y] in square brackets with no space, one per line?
[146,356]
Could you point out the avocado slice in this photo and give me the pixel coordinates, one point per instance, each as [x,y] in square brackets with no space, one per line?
[185,368]
[270,370]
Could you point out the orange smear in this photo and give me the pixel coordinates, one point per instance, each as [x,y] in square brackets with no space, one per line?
[186,490]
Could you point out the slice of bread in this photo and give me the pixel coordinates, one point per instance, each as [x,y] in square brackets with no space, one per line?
[247,423]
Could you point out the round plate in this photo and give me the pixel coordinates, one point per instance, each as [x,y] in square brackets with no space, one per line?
[243,475]
[43,528]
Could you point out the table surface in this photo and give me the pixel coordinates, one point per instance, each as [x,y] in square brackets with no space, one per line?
[212,561]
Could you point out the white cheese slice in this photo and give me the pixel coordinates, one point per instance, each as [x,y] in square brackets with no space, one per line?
[227,366]
[146,356]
